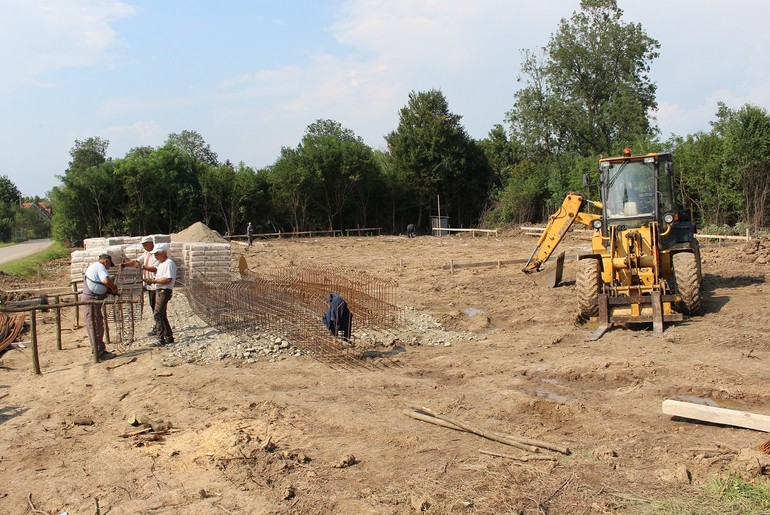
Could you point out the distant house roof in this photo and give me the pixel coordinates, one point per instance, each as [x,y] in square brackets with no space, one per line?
[40,205]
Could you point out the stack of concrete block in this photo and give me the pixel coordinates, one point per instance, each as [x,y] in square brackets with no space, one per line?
[81,259]
[101,243]
[159,238]
[210,260]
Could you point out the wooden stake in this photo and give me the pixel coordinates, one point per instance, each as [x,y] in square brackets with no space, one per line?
[58,324]
[33,330]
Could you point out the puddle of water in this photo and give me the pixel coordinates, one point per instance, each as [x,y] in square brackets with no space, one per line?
[383,354]
[551,396]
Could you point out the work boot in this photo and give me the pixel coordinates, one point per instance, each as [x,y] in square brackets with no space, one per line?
[169,340]
[152,333]
[105,354]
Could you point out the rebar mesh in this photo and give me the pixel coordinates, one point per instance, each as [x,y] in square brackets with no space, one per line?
[124,314]
[291,301]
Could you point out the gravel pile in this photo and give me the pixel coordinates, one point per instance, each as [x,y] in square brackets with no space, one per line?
[197,342]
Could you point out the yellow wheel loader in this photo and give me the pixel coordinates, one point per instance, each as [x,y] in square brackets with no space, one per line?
[644,265]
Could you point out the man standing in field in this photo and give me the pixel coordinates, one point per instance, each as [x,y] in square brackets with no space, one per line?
[148,265]
[96,286]
[164,280]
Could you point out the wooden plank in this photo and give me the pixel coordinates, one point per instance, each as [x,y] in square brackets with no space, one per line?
[715,415]
[721,237]
[457,266]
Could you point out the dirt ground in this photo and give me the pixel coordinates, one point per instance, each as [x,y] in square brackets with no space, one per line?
[484,345]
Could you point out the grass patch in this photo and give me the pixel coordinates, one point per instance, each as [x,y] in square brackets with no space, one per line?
[27,267]
[739,496]
[722,495]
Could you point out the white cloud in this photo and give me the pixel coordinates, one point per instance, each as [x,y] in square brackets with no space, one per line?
[142,133]
[55,36]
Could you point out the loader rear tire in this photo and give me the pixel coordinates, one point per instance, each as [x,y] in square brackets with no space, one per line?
[687,282]
[587,286]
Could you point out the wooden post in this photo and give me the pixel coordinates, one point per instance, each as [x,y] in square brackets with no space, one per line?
[451,266]
[58,323]
[105,320]
[33,330]
[77,308]
[94,349]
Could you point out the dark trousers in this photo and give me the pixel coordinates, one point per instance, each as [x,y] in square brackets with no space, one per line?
[97,338]
[151,299]
[162,327]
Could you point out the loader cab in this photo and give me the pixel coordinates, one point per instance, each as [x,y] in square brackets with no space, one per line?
[636,190]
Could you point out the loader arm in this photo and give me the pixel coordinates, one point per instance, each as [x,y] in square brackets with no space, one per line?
[558,225]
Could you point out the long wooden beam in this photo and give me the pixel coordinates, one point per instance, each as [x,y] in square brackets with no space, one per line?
[716,415]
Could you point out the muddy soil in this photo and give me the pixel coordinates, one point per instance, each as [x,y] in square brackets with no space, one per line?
[485,345]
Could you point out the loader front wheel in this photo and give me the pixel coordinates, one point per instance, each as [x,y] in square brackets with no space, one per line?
[587,286]
[687,281]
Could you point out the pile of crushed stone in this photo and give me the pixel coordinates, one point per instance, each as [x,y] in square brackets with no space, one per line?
[198,232]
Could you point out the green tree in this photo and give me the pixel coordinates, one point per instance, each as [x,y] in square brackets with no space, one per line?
[432,154]
[704,182]
[226,191]
[589,88]
[747,152]
[86,202]
[136,172]
[176,197]
[338,160]
[10,198]
[502,153]
[292,187]
[193,144]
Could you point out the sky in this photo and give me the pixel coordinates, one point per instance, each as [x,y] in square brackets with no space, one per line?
[249,76]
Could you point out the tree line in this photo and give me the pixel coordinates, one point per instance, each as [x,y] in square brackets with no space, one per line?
[586,94]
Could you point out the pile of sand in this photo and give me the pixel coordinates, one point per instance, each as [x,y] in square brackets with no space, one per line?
[198,232]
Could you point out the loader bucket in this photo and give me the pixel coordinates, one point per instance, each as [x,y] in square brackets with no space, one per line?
[550,276]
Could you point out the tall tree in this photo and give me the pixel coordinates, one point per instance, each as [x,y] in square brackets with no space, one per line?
[338,160]
[85,203]
[589,90]
[431,150]
[193,144]
[87,153]
[747,151]
[292,186]
[226,191]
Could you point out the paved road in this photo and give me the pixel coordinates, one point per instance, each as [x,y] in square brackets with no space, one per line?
[29,247]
